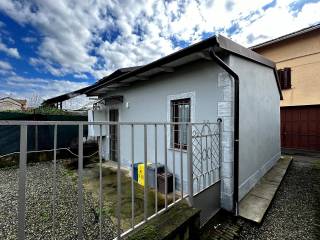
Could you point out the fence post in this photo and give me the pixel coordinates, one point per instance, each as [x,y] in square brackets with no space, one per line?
[118,184]
[165,166]
[22,182]
[156,162]
[55,132]
[80,188]
[190,164]
[36,133]
[145,172]
[132,176]
[100,183]
[219,120]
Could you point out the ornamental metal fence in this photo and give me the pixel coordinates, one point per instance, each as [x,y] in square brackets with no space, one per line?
[188,153]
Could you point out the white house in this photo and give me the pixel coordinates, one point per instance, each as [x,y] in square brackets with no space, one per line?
[215,78]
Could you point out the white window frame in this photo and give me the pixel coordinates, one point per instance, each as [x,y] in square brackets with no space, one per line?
[192,96]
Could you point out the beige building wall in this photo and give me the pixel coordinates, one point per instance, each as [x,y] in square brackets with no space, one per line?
[10,105]
[302,55]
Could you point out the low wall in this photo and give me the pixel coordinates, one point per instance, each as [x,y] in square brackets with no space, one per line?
[208,201]
[179,222]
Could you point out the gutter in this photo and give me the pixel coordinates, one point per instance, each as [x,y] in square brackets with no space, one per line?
[222,64]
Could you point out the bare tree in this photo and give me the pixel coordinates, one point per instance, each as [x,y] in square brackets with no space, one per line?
[77,103]
[35,100]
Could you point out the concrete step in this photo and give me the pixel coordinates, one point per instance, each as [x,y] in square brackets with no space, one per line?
[256,203]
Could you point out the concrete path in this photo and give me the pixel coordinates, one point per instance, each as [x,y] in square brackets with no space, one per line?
[295,211]
[256,203]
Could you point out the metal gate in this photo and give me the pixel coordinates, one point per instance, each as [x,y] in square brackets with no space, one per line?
[206,145]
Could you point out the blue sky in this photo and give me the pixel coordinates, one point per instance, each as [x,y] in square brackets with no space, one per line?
[51,47]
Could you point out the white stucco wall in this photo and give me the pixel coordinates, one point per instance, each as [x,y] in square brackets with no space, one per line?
[259,120]
[150,101]
[209,87]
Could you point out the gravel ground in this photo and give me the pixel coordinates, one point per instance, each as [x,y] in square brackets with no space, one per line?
[295,210]
[39,206]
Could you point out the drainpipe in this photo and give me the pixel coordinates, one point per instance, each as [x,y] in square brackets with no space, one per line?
[222,64]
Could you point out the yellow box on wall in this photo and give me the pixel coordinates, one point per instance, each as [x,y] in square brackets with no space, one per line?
[141,174]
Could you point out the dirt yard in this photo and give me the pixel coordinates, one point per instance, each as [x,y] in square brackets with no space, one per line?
[109,193]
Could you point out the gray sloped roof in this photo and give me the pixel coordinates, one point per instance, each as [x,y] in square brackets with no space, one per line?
[179,58]
[123,77]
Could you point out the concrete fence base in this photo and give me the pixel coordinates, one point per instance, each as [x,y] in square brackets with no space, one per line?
[179,222]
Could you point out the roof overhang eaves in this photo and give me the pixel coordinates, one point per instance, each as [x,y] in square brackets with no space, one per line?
[66,96]
[198,47]
[234,48]
[193,52]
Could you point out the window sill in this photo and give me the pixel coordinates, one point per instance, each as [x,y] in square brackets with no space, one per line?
[177,150]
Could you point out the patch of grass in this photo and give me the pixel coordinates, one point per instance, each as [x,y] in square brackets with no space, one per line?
[110,200]
[71,174]
[44,215]
[9,162]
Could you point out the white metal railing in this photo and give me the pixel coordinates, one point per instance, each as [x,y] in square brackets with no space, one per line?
[204,135]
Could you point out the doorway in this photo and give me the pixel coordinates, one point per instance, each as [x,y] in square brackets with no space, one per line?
[113,142]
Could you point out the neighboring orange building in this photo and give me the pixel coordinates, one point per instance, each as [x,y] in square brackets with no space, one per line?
[297,57]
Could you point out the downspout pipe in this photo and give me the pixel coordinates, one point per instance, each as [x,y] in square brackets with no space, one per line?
[235,76]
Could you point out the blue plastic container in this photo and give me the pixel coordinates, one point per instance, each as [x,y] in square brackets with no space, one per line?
[135,171]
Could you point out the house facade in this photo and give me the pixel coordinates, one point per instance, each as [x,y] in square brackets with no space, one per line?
[203,91]
[208,82]
[11,104]
[297,57]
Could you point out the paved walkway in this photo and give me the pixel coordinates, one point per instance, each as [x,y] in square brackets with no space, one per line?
[295,210]
[256,203]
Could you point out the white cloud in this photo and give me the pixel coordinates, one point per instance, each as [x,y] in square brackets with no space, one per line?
[6,69]
[276,22]
[5,65]
[80,75]
[40,89]
[68,30]
[96,37]
[46,88]
[29,39]
[13,52]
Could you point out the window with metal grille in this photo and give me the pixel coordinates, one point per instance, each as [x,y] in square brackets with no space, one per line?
[180,112]
[285,78]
